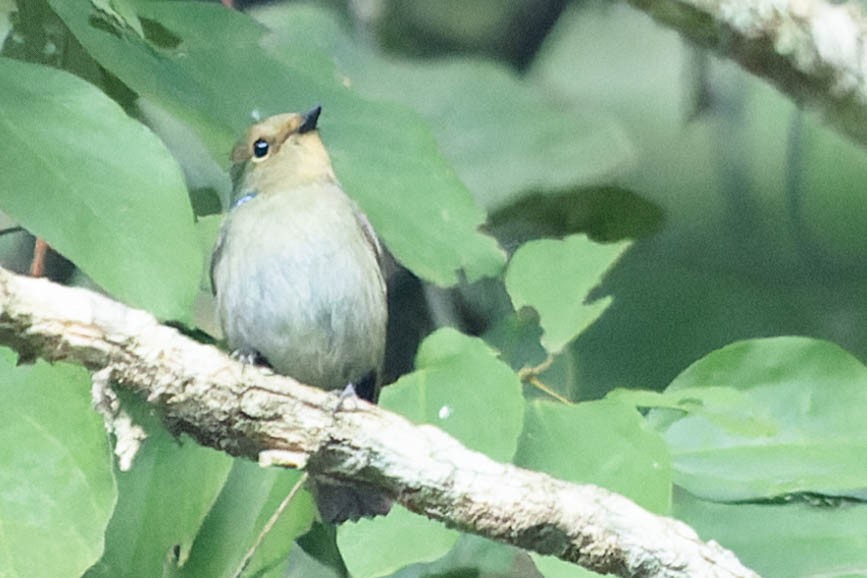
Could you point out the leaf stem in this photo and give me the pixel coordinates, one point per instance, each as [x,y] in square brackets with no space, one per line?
[530,374]
[269,525]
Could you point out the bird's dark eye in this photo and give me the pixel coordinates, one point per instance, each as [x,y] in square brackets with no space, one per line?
[260,148]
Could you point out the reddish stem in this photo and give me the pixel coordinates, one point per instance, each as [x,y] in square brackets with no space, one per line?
[37,266]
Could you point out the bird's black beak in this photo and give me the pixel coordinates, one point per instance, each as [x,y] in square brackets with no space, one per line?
[310,119]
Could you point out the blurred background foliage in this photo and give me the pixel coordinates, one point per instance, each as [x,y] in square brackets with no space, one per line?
[592,204]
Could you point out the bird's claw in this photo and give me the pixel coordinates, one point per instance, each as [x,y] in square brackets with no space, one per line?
[251,357]
[245,356]
[348,393]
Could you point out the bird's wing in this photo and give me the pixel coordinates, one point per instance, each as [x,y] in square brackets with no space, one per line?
[215,256]
[370,235]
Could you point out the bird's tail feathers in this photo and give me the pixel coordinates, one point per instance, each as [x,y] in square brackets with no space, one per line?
[341,501]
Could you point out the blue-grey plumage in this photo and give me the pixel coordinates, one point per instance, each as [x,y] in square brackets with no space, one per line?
[298,278]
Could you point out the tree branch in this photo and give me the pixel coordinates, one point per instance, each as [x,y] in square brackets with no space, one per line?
[251,413]
[812,50]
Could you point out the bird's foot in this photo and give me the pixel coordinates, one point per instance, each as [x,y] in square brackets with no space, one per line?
[251,357]
[347,394]
[245,356]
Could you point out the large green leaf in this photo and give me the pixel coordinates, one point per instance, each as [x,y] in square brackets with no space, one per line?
[552,567]
[458,380]
[383,154]
[248,499]
[554,277]
[380,547]
[605,443]
[504,136]
[57,491]
[801,539]
[98,186]
[162,502]
[471,556]
[794,423]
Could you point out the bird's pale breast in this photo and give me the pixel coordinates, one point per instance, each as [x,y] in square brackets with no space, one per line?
[298,283]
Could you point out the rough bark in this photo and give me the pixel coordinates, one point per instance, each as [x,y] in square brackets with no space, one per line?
[248,412]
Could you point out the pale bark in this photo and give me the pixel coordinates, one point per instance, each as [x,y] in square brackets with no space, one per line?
[249,412]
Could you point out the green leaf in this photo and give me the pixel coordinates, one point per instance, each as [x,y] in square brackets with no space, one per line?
[98,186]
[505,138]
[119,13]
[248,499]
[162,503]
[604,443]
[471,556]
[321,555]
[552,567]
[384,155]
[516,336]
[57,490]
[795,424]
[795,540]
[504,135]
[721,405]
[416,203]
[553,277]
[458,380]
[606,214]
[379,547]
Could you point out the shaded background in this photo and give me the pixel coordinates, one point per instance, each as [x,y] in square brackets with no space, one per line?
[748,213]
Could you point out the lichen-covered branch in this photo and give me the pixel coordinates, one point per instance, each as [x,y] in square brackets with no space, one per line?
[249,412]
[812,50]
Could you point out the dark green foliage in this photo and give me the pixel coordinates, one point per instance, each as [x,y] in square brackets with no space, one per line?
[599,229]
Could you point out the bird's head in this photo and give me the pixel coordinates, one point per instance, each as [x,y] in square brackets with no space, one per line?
[279,153]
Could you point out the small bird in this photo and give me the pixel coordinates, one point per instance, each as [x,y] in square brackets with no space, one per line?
[297,271]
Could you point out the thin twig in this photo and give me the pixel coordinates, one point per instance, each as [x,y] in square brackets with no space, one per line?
[37,266]
[530,374]
[537,383]
[529,371]
[269,525]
